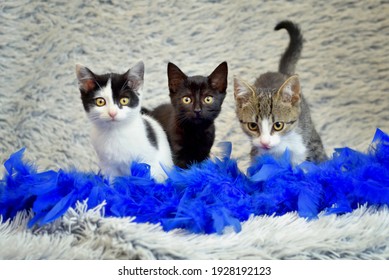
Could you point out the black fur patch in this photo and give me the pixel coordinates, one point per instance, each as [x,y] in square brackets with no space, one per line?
[151,134]
[119,89]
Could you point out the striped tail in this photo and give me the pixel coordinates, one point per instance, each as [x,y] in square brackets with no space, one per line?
[293,51]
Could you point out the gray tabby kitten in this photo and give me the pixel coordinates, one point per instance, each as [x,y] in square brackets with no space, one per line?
[273,111]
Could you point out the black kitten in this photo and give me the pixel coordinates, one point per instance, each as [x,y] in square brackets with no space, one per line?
[196,102]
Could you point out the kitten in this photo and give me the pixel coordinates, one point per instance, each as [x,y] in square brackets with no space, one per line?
[273,111]
[120,133]
[196,102]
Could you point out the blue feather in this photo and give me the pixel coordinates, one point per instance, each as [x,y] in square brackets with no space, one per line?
[59,208]
[308,200]
[209,196]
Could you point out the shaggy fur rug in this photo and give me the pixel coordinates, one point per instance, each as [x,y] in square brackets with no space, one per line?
[343,71]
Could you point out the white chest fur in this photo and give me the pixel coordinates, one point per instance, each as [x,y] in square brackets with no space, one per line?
[118,145]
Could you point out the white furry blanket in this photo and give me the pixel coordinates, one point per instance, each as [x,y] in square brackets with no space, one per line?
[343,70]
[363,234]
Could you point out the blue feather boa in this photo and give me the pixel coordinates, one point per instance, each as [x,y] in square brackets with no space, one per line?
[209,196]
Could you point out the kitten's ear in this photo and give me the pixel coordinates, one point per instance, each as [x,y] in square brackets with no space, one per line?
[218,78]
[175,76]
[242,91]
[290,90]
[86,78]
[135,76]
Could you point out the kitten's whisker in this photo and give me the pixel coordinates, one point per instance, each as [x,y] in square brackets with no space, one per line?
[98,84]
[182,119]
[124,85]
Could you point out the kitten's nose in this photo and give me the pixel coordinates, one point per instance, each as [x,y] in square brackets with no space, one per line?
[265,142]
[112,114]
[197,111]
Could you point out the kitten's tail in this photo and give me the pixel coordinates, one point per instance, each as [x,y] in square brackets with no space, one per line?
[293,51]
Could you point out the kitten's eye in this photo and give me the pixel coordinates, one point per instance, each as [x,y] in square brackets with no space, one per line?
[208,99]
[124,101]
[100,101]
[186,100]
[278,126]
[252,126]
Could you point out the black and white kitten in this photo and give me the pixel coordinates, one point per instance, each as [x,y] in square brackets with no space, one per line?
[273,111]
[120,133]
[188,120]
